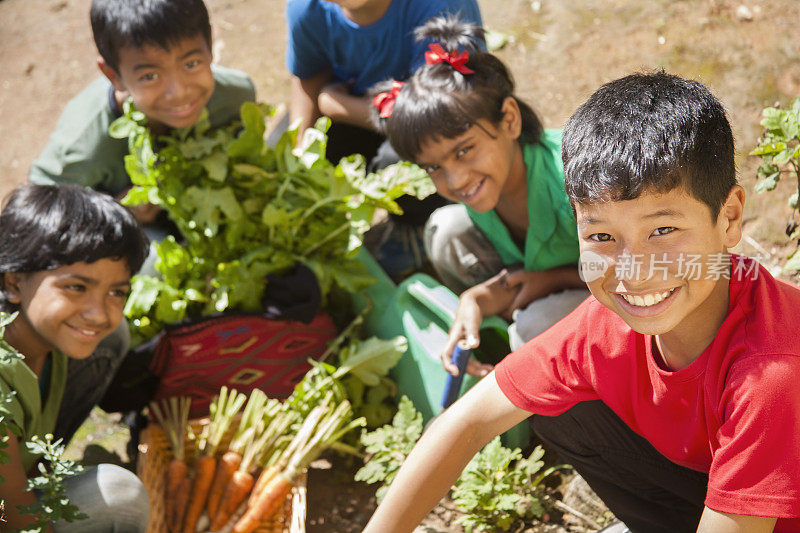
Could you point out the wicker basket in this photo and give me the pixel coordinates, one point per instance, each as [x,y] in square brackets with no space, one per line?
[154,457]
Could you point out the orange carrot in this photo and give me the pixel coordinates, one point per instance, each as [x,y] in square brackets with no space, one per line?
[258,406]
[269,502]
[180,502]
[204,475]
[263,480]
[173,416]
[226,466]
[223,409]
[235,493]
[176,475]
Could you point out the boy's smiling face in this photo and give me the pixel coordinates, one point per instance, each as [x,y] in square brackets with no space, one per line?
[662,234]
[170,86]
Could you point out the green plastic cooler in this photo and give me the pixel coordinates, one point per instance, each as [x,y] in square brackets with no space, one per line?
[422,310]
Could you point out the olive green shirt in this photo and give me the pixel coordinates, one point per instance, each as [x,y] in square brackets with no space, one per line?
[552,237]
[81,152]
[24,412]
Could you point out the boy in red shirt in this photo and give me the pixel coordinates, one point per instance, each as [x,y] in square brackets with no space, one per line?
[670,390]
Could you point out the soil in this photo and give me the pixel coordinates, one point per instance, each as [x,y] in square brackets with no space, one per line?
[559,52]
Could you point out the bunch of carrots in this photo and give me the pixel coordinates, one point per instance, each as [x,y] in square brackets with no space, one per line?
[235,488]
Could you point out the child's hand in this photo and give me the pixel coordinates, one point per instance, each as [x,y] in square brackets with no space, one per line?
[465,326]
[530,286]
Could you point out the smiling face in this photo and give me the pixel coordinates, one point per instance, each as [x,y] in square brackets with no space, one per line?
[170,86]
[70,308]
[648,245]
[481,166]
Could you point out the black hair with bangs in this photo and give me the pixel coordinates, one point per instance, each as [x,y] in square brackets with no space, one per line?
[48,226]
[649,132]
[439,102]
[163,23]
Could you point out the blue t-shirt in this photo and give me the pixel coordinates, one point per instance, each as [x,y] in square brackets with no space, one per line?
[322,37]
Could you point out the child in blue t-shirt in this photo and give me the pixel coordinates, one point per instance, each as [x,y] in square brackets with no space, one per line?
[337,50]
[66,258]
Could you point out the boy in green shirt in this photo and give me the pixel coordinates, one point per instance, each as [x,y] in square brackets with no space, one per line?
[157,53]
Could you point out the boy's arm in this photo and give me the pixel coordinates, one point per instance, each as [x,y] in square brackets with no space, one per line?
[442,453]
[12,489]
[716,522]
[303,99]
[336,102]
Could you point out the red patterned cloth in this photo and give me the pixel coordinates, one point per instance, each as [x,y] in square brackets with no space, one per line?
[239,351]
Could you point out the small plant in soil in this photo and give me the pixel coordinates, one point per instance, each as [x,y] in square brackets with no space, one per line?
[779,149]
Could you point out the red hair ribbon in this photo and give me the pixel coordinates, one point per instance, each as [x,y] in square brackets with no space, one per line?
[384,102]
[436,54]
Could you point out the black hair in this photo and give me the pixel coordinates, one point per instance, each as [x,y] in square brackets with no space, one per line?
[649,132]
[48,226]
[438,102]
[163,23]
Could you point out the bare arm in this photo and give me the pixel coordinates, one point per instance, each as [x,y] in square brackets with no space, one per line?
[336,102]
[716,522]
[12,489]
[530,286]
[442,453]
[303,97]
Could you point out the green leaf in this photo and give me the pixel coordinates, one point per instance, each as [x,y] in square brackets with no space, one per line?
[372,358]
[216,164]
[771,148]
[144,291]
[767,184]
[251,139]
[793,264]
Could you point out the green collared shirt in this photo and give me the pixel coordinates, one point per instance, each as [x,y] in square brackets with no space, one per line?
[24,412]
[552,237]
[81,152]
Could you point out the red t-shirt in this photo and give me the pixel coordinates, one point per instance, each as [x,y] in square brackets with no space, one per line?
[734,412]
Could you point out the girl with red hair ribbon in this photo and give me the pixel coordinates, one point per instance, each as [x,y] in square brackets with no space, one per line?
[509,243]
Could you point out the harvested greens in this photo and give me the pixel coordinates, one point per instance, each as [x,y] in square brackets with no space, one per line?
[246,210]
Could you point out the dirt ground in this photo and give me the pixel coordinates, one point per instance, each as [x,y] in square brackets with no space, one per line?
[559,52]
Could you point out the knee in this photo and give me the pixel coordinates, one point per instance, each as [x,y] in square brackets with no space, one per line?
[444,226]
[125,498]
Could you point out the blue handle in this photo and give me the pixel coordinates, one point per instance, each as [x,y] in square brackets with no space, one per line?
[452,386]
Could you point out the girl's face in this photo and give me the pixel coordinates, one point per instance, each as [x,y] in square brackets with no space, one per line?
[70,308]
[481,166]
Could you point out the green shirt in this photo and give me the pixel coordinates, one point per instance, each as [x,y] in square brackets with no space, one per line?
[552,237]
[25,410]
[81,152]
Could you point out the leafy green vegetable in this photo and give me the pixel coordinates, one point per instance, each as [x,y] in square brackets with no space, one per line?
[246,210]
[52,504]
[499,487]
[389,446]
[779,149]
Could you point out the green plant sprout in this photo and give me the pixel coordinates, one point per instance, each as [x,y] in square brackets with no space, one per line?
[52,504]
[388,446]
[499,487]
[779,149]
